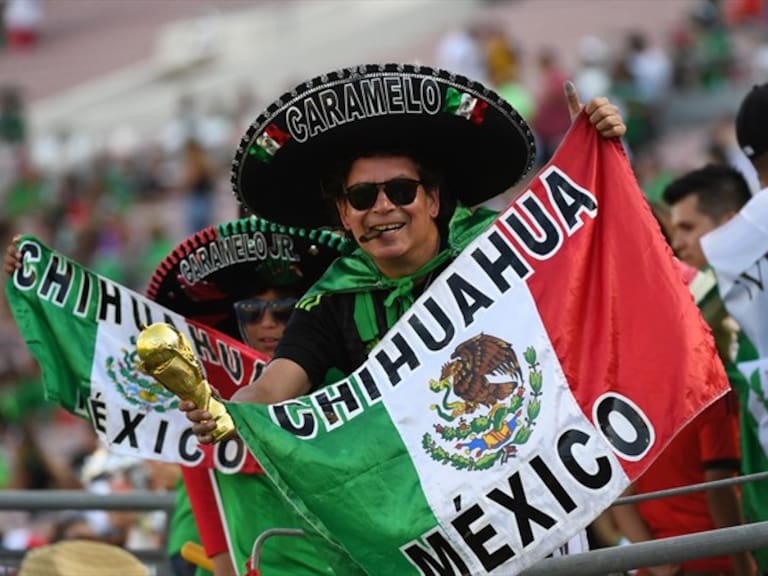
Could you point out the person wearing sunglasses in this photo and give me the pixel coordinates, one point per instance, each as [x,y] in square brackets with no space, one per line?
[249,299]
[396,155]
[261,319]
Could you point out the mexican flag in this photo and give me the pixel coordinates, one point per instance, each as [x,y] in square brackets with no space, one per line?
[82,329]
[527,387]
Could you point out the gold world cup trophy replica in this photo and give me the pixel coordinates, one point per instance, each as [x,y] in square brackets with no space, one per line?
[166,355]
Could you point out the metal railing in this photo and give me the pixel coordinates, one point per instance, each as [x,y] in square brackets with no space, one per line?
[48,500]
[36,500]
[664,550]
[597,562]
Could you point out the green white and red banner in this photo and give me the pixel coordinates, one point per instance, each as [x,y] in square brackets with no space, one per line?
[82,329]
[520,395]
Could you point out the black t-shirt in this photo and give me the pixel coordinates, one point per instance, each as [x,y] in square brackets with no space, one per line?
[325,337]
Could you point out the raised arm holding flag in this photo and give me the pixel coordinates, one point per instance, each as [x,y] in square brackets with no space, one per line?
[401,151]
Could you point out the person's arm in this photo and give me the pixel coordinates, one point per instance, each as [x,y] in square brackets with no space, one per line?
[631,524]
[282,379]
[725,510]
[605,532]
[222,565]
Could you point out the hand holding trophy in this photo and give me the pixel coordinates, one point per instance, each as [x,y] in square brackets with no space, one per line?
[166,355]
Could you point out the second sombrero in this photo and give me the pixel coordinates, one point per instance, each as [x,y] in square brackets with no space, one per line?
[207,273]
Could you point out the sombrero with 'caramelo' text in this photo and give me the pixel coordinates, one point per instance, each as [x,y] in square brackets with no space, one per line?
[207,273]
[470,134]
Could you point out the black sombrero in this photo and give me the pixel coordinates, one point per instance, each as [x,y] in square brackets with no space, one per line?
[470,133]
[208,272]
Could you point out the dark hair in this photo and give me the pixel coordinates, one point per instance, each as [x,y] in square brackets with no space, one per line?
[333,184]
[64,522]
[719,189]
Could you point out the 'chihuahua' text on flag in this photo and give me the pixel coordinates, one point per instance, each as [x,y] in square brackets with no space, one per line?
[82,329]
[535,378]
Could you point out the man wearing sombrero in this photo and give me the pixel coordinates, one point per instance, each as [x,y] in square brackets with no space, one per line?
[395,154]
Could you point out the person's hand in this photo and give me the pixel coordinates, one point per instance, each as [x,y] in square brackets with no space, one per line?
[12,260]
[602,114]
[202,423]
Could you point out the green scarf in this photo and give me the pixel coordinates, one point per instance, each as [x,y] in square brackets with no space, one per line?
[357,273]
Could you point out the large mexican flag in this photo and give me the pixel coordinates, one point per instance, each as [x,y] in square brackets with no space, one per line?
[530,384]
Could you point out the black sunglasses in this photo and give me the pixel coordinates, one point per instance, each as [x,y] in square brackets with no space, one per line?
[400,191]
[253,309]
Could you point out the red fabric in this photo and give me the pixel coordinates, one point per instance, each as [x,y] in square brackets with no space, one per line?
[198,480]
[712,436]
[205,509]
[616,308]
[214,364]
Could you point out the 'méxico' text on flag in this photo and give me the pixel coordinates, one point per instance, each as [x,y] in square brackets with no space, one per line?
[82,329]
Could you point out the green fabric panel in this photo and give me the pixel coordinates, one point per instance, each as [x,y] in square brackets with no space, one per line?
[352,466]
[62,344]
[263,509]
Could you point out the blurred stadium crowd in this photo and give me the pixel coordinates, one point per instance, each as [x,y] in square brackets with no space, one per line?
[109,208]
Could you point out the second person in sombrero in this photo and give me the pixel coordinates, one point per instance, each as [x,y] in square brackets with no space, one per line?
[248,295]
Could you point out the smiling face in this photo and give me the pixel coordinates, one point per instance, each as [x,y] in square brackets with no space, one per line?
[400,239]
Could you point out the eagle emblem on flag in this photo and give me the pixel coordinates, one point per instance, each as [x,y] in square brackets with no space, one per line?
[487,407]
[136,388]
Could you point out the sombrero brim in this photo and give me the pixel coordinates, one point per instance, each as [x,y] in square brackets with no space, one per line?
[479,142]
[81,558]
[207,273]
